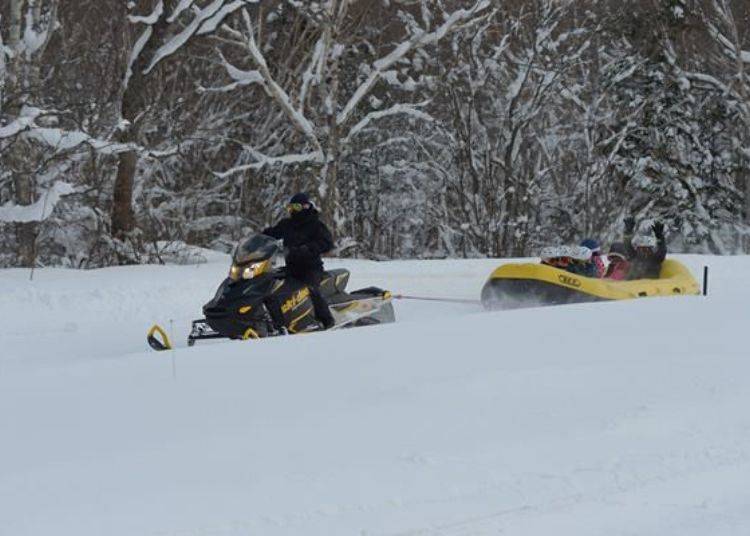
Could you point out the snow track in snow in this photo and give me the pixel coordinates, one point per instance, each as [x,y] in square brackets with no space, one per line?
[616,418]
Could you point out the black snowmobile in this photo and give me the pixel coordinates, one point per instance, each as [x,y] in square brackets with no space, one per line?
[256,292]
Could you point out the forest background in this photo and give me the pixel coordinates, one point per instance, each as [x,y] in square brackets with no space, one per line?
[423,128]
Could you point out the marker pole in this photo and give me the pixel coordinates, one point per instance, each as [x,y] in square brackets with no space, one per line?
[705,280]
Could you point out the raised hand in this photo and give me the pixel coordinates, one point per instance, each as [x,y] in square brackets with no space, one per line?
[629,225]
[658,229]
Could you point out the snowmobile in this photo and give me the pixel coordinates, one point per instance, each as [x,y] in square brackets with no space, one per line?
[257,290]
[554,282]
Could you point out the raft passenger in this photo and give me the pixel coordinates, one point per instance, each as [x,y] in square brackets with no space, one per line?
[595,265]
[619,264]
[645,251]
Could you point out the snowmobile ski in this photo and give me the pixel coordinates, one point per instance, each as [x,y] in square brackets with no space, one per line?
[161,342]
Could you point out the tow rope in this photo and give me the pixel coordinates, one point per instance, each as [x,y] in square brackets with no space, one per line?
[435,299]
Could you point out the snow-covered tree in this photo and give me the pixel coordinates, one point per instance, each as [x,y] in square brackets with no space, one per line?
[679,159]
[728,74]
[505,95]
[27,34]
[325,94]
[424,128]
[166,28]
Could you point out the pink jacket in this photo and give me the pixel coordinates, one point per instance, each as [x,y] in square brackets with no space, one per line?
[600,268]
[618,271]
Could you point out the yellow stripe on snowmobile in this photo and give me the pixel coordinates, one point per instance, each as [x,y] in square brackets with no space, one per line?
[674,279]
[293,323]
[345,308]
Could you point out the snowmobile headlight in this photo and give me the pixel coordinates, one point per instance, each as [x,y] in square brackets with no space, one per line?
[255,269]
[234,272]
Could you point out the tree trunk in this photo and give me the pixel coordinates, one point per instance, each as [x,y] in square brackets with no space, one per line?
[14,32]
[23,184]
[745,176]
[330,204]
[123,217]
[26,232]
[133,105]
[26,238]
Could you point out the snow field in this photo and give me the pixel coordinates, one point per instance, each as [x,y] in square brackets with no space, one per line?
[619,418]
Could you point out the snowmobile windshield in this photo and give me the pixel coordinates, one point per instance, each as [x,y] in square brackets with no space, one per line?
[255,249]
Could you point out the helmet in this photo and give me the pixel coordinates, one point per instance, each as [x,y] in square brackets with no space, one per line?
[644,241]
[300,197]
[298,202]
[593,245]
[578,253]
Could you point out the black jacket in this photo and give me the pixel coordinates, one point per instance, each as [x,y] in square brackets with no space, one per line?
[645,265]
[306,238]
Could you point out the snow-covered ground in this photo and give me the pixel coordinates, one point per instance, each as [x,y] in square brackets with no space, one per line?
[625,418]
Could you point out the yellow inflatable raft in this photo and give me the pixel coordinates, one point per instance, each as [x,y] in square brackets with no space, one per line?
[527,284]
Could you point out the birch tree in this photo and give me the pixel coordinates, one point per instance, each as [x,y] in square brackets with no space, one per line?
[327,105]
[27,33]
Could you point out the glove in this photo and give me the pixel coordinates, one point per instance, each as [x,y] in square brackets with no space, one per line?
[658,229]
[629,225]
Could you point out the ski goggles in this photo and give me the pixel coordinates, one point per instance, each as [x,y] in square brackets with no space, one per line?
[294,207]
[562,262]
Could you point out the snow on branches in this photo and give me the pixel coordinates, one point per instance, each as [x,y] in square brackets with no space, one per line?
[319,98]
[205,21]
[420,40]
[39,210]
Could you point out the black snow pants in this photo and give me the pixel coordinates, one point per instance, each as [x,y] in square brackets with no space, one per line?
[322,312]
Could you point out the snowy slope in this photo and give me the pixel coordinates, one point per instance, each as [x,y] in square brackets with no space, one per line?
[615,418]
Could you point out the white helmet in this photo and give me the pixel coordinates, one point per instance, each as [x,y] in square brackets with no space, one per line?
[644,241]
[578,253]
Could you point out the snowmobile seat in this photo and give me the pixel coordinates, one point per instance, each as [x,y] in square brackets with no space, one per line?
[361,294]
[334,282]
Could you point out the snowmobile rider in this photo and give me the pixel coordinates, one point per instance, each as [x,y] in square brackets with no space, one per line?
[646,252]
[306,238]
